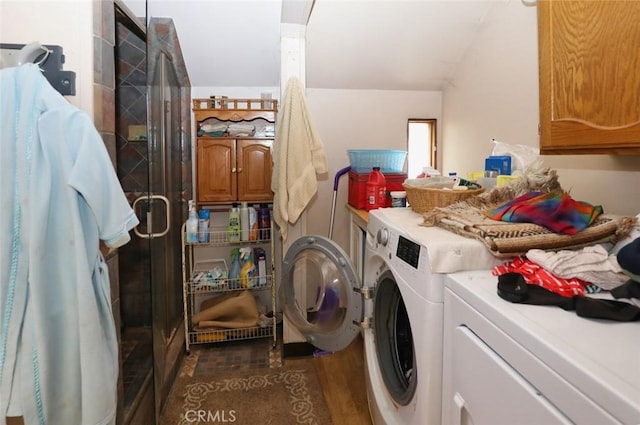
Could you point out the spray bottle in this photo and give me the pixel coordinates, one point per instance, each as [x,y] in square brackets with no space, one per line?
[192,224]
[247,268]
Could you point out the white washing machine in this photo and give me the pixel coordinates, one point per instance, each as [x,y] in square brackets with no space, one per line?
[403,346]
[398,308]
[508,363]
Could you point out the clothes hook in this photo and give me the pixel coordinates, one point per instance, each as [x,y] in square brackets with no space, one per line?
[31,52]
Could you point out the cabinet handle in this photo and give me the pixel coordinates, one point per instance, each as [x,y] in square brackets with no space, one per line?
[239,170]
[233,170]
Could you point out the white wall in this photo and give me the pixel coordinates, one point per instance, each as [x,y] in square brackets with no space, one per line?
[359,119]
[494,94]
[68,24]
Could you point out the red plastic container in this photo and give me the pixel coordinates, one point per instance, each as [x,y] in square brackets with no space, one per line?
[358,187]
[376,188]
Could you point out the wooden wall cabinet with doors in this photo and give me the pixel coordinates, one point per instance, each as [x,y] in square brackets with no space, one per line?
[589,56]
[234,168]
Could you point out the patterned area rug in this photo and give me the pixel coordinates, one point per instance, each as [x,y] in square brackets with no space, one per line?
[280,396]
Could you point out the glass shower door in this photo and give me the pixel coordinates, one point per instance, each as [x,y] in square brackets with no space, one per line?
[165,219]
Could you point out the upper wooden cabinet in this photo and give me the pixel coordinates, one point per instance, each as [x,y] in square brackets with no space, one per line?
[589,59]
[234,168]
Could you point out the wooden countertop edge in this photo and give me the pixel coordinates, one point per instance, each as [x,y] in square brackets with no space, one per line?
[362,214]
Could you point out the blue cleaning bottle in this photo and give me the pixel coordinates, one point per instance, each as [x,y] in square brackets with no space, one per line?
[203,225]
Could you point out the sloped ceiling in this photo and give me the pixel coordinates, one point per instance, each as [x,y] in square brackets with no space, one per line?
[351,44]
[389,45]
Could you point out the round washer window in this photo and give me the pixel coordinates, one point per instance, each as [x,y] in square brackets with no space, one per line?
[394,341]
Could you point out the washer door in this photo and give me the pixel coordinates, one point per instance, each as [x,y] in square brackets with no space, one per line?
[395,349]
[318,293]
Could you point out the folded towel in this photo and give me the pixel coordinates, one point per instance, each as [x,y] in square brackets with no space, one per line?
[592,264]
[241,127]
[241,130]
[211,133]
[213,127]
[238,133]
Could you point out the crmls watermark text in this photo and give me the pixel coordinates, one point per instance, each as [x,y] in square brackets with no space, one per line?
[210,416]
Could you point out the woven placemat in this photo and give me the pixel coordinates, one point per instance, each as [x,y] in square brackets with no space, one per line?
[510,239]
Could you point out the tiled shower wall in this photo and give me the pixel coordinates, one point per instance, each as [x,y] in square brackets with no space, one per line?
[132,168]
[104,120]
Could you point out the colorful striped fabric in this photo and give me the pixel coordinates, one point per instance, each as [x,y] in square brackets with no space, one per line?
[555,211]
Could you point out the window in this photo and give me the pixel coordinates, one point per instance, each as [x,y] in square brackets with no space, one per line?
[421,145]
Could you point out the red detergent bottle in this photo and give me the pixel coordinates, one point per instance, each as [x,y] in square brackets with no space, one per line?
[376,190]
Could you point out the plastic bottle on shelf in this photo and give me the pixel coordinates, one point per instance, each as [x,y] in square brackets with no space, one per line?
[203,225]
[264,222]
[192,224]
[244,221]
[253,224]
[234,273]
[247,268]
[454,178]
[261,265]
[233,230]
[376,190]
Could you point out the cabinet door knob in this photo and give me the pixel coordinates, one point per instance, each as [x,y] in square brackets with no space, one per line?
[233,170]
[239,170]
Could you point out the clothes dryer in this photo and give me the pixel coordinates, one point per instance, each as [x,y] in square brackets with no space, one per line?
[523,364]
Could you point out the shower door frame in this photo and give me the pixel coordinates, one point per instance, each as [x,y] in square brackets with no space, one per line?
[169,123]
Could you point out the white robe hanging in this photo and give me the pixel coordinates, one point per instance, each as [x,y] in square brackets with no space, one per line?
[59,195]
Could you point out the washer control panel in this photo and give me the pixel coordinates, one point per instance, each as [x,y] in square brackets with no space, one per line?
[408,251]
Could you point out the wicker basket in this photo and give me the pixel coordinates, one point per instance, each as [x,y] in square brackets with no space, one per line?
[423,199]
